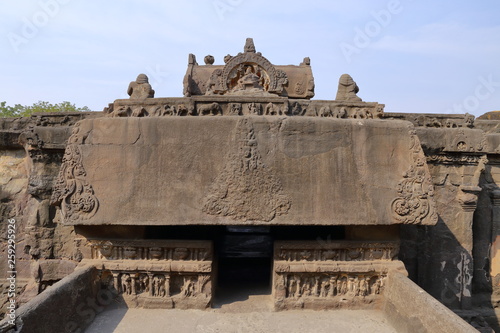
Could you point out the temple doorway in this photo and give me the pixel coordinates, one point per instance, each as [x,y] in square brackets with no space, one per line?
[244,262]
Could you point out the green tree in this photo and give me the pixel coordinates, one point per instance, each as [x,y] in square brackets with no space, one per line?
[10,111]
[40,106]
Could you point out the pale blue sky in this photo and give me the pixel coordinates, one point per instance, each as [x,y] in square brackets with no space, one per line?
[414,56]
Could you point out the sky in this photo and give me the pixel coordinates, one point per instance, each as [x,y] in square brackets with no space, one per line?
[415,56]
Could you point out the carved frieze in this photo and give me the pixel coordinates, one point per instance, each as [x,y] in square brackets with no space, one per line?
[415,200]
[246,189]
[352,285]
[336,251]
[155,273]
[71,191]
[319,275]
[453,159]
[151,250]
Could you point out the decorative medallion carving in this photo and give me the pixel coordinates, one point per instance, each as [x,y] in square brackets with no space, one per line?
[246,189]
[415,201]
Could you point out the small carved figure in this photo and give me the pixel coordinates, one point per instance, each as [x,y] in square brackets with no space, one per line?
[325,111]
[234,109]
[306,287]
[359,113]
[213,109]
[271,110]
[324,285]
[122,111]
[254,108]
[347,89]
[469,120]
[139,111]
[292,286]
[169,110]
[182,110]
[187,288]
[376,286]
[296,109]
[339,112]
[143,283]
[343,286]
[126,282]
[299,88]
[140,88]
[315,290]
[227,57]
[159,286]
[106,249]
[298,292]
[379,111]
[333,286]
[363,287]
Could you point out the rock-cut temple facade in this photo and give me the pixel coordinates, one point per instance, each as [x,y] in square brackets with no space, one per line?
[162,202]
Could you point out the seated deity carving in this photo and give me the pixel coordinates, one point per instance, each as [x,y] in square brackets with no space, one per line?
[347,89]
[140,88]
[249,81]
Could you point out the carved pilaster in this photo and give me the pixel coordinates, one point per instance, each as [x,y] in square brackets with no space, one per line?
[167,285]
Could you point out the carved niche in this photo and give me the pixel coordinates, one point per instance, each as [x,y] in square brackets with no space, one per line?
[248,70]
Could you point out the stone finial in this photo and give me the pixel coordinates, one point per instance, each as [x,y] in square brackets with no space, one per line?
[306,62]
[192,59]
[347,89]
[249,46]
[140,88]
[209,60]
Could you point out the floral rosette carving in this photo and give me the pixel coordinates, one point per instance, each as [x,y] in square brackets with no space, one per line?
[72,192]
[415,191]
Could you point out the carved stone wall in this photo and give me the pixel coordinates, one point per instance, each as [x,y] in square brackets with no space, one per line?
[155,273]
[340,274]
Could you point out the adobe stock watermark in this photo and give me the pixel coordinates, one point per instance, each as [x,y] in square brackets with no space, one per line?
[90,308]
[223,6]
[483,91]
[372,29]
[156,75]
[10,313]
[32,25]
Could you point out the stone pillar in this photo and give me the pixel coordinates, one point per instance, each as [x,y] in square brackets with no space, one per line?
[167,285]
[133,282]
[116,281]
[446,265]
[495,239]
[150,275]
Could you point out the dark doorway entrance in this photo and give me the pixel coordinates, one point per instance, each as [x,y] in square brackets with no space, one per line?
[244,255]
